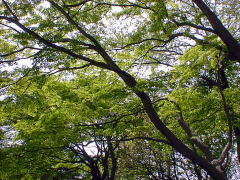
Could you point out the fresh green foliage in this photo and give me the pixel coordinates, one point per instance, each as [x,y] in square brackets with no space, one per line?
[118,89]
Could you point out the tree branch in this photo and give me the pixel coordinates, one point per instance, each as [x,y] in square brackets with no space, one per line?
[228,146]
[9,9]
[69,68]
[175,142]
[194,26]
[10,27]
[98,47]
[231,43]
[20,50]
[108,4]
[145,138]
[77,4]
[124,5]
[193,137]
[59,48]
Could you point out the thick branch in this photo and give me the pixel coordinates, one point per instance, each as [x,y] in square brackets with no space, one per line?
[128,79]
[175,142]
[98,48]
[54,46]
[9,9]
[231,43]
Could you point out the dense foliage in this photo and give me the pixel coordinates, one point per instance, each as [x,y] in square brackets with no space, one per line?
[119,89]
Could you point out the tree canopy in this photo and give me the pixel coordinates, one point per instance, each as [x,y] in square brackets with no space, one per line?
[120,89]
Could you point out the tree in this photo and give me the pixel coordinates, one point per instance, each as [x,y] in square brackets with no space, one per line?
[191,101]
